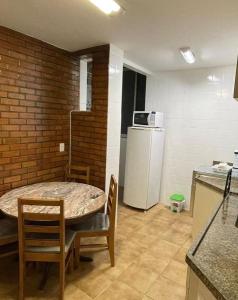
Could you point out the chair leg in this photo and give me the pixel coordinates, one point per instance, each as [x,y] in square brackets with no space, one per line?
[71,259]
[22,275]
[111,246]
[62,279]
[77,251]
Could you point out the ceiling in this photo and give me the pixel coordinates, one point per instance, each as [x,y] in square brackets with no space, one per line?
[149,31]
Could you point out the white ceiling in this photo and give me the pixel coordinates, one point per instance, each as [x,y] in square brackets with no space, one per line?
[150,31]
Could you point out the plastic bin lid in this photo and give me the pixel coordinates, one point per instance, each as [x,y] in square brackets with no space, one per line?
[177,197]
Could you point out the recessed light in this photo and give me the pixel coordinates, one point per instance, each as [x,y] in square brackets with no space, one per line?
[107,6]
[187,55]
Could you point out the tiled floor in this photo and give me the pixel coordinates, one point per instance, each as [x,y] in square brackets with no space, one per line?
[150,253]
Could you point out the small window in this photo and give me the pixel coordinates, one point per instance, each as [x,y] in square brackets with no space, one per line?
[85,92]
[133,96]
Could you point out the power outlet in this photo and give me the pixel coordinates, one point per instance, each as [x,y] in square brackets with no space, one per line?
[61,147]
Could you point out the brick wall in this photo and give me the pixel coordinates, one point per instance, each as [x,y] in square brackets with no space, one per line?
[89,129]
[38,87]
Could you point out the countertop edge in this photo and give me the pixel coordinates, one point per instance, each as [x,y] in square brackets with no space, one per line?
[192,251]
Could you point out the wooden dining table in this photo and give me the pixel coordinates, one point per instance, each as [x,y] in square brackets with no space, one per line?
[80,200]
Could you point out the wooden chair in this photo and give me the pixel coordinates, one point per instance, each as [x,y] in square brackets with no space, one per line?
[99,225]
[42,238]
[8,237]
[77,173]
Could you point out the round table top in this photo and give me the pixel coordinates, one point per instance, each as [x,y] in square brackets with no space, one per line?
[79,199]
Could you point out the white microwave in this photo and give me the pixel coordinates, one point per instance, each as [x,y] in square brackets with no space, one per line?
[148,119]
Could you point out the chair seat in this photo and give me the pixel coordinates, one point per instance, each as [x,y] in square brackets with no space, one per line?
[8,231]
[69,238]
[98,222]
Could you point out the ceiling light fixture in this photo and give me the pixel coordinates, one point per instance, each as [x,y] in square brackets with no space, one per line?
[187,55]
[107,6]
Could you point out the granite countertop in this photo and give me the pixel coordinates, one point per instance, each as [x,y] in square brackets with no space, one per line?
[208,171]
[214,255]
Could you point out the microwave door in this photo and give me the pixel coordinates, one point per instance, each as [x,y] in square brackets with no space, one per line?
[141,119]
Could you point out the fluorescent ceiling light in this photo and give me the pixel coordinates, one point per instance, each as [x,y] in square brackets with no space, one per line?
[187,55]
[107,6]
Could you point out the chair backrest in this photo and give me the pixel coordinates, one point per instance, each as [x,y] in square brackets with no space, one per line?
[38,229]
[112,202]
[78,173]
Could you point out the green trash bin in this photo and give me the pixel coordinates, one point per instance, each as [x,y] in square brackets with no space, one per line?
[177,202]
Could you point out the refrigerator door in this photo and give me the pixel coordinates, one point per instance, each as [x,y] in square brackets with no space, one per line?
[137,167]
[156,163]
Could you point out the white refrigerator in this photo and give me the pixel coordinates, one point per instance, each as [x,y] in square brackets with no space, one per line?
[144,159]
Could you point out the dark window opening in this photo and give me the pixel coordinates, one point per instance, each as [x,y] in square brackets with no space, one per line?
[133,96]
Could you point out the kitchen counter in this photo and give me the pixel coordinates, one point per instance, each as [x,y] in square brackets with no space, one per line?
[208,171]
[217,183]
[214,255]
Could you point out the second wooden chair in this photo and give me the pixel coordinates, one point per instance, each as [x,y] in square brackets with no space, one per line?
[100,225]
[77,173]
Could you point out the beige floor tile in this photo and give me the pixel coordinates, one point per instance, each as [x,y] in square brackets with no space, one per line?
[146,298]
[134,223]
[93,282]
[156,264]
[165,289]
[129,250]
[163,249]
[143,240]
[152,229]
[72,292]
[188,243]
[167,215]
[138,277]
[176,272]
[120,291]
[182,227]
[185,218]
[175,236]
[181,255]
[127,210]
[123,232]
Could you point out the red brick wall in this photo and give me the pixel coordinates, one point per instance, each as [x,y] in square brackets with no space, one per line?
[89,129]
[38,87]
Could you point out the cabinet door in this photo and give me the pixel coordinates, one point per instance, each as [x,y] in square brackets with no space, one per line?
[206,200]
[196,290]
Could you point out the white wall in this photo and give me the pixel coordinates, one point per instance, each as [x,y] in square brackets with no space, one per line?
[114,112]
[201,121]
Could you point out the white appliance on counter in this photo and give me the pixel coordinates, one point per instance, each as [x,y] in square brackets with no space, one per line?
[148,119]
[144,158]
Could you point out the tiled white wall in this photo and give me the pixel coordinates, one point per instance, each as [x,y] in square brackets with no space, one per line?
[201,121]
[114,112]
